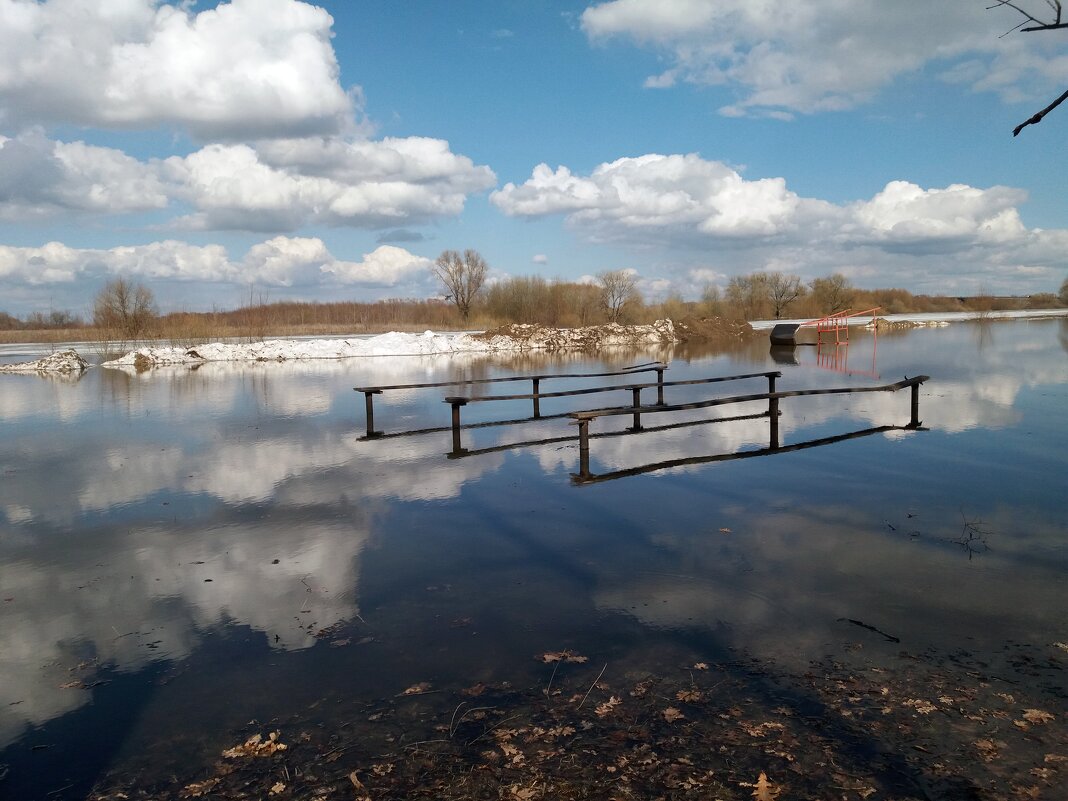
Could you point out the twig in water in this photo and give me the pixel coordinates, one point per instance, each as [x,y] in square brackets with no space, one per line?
[587,695]
[453,728]
[550,684]
[492,728]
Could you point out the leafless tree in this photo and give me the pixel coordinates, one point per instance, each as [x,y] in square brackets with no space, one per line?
[832,294]
[462,277]
[124,310]
[618,288]
[1062,296]
[1029,24]
[783,290]
[748,294]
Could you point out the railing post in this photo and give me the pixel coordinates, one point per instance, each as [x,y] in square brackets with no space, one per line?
[773,422]
[771,382]
[915,421]
[660,386]
[584,448]
[456,403]
[369,406]
[637,405]
[537,404]
[773,403]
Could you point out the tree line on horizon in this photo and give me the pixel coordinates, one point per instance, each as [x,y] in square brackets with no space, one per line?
[125,310]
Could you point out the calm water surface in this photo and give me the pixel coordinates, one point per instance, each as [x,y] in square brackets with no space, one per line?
[187,550]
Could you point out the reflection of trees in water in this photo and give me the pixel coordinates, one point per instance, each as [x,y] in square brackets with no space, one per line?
[1062,334]
[984,332]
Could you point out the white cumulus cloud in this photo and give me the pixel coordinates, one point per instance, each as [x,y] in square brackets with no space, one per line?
[820,55]
[905,233]
[271,186]
[242,68]
[41,177]
[281,185]
[387,265]
[280,261]
[659,194]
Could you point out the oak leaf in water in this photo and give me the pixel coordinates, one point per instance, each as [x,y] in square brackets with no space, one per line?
[197,789]
[700,666]
[278,787]
[607,707]
[562,656]
[1037,716]
[256,746]
[361,791]
[921,706]
[988,749]
[689,696]
[641,688]
[417,689]
[764,790]
[671,714]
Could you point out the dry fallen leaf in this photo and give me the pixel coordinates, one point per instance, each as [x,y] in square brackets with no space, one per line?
[764,790]
[607,707]
[278,787]
[197,789]
[689,696]
[522,793]
[921,706]
[562,656]
[700,666]
[671,714]
[641,688]
[417,689]
[1037,716]
[724,531]
[256,746]
[988,749]
[361,791]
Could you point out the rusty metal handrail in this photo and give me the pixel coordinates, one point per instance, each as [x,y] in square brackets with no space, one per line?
[456,402]
[369,392]
[582,419]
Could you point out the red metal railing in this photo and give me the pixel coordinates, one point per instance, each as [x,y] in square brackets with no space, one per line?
[837,324]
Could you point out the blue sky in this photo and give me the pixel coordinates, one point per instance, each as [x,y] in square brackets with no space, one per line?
[333,150]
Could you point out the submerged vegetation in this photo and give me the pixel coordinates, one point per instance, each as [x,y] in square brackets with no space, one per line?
[887,725]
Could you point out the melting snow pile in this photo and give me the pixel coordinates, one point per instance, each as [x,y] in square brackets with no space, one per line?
[511,338]
[536,337]
[64,361]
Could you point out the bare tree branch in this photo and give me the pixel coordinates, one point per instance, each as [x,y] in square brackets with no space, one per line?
[1040,25]
[1037,118]
[1014,7]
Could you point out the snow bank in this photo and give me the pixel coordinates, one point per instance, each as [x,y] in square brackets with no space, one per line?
[933,319]
[63,361]
[513,338]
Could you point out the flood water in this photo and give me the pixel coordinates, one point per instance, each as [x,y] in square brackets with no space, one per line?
[192,556]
